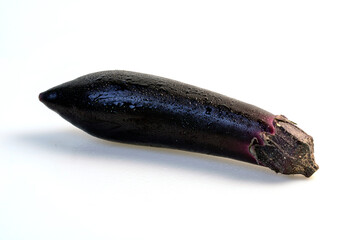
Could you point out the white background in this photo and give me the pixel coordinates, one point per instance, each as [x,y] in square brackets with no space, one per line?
[297,58]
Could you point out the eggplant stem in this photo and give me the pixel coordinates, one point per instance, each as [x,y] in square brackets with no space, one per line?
[288,151]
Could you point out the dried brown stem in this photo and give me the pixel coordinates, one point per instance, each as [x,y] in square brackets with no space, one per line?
[289,151]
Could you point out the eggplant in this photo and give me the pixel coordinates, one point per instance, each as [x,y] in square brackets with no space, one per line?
[144,109]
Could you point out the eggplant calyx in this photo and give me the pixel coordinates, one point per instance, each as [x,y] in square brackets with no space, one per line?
[289,150]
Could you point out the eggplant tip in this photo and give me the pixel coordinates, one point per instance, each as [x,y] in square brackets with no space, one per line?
[48,96]
[41,97]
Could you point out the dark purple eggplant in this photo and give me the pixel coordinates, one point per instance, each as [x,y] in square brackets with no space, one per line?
[148,110]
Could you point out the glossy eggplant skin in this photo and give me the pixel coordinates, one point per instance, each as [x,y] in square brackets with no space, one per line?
[148,110]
